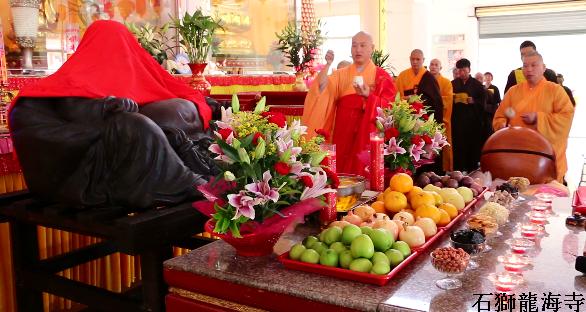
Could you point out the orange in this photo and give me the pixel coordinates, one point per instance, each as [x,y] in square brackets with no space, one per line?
[401,182]
[380,196]
[450,209]
[413,191]
[422,198]
[395,201]
[444,218]
[379,206]
[428,211]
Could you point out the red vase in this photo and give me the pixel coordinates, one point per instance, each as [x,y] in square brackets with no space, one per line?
[198,81]
[258,239]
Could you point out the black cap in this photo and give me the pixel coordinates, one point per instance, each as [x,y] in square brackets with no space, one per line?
[463,63]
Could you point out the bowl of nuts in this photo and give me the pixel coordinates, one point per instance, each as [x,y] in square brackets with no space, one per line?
[450,261]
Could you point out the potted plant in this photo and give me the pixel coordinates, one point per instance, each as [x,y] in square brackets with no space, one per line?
[300,47]
[153,39]
[196,31]
[379,58]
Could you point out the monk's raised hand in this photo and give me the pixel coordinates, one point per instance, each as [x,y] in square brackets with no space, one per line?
[362,90]
[117,105]
[529,118]
[329,57]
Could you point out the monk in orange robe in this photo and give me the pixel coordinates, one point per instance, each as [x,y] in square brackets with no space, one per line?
[447,93]
[540,105]
[345,103]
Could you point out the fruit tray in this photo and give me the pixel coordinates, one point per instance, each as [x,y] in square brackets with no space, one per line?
[368,278]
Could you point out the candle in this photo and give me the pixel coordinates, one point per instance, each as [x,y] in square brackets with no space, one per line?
[546,197]
[505,281]
[530,230]
[520,245]
[329,213]
[537,217]
[514,263]
[377,163]
[538,205]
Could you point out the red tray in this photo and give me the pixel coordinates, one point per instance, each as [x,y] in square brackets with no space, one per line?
[380,280]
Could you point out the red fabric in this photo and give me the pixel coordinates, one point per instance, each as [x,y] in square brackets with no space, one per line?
[109,61]
[353,125]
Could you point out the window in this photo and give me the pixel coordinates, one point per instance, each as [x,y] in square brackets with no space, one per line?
[338,32]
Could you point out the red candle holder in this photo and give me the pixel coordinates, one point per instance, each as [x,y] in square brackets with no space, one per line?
[377,162]
[530,230]
[514,263]
[537,217]
[538,205]
[520,245]
[329,213]
[546,197]
[505,281]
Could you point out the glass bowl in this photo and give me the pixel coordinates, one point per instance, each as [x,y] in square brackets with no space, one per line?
[463,239]
[349,191]
[451,265]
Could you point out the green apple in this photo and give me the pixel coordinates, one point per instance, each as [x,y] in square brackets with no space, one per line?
[338,247]
[332,235]
[378,257]
[380,268]
[309,240]
[349,233]
[345,258]
[296,251]
[394,256]
[321,235]
[329,258]
[366,229]
[310,256]
[362,247]
[402,247]
[319,247]
[360,265]
[381,239]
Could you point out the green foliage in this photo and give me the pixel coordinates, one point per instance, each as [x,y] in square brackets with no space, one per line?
[196,31]
[153,39]
[299,46]
[380,59]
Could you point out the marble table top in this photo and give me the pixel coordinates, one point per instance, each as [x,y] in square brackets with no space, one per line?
[412,289]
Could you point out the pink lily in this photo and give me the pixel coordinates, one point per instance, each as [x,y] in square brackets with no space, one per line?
[438,141]
[416,150]
[216,149]
[244,204]
[394,148]
[263,189]
[319,186]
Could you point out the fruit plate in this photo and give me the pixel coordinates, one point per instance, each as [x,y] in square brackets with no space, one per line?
[346,274]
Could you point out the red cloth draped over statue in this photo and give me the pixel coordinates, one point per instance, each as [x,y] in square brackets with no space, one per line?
[110,62]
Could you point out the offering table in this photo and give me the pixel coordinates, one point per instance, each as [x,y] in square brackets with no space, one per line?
[214,278]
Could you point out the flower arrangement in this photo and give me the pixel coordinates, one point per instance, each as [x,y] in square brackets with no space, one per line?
[410,133]
[268,164]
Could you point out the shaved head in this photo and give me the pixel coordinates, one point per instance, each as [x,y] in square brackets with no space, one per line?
[362,48]
[435,66]
[416,60]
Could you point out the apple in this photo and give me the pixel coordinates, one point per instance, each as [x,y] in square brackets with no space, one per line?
[360,265]
[427,225]
[349,233]
[362,247]
[466,193]
[388,225]
[381,239]
[352,218]
[338,247]
[366,229]
[332,235]
[345,258]
[341,224]
[309,240]
[365,212]
[413,236]
[400,226]
[310,256]
[402,247]
[379,256]
[296,251]
[319,247]
[431,187]
[381,268]
[395,256]
[405,217]
[329,258]
[451,195]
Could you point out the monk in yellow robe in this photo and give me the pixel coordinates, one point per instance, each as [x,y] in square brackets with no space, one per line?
[345,103]
[540,105]
[447,93]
